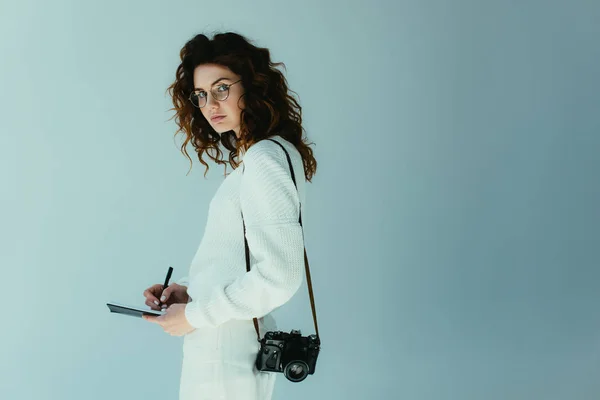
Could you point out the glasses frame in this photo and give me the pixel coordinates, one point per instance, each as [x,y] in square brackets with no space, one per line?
[229,85]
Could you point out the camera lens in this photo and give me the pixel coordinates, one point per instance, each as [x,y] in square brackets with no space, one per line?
[296,371]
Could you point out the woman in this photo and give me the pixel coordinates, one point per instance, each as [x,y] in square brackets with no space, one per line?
[228,96]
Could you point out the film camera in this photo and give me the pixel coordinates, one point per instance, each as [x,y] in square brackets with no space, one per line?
[290,353]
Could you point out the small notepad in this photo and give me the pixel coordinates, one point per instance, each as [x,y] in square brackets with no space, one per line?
[132,311]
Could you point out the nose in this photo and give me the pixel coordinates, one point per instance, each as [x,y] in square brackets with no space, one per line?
[211,101]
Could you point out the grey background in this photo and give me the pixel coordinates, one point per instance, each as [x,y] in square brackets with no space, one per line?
[452,226]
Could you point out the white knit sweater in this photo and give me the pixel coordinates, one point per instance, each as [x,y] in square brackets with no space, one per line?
[262,189]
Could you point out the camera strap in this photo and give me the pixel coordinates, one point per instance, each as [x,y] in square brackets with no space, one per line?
[310,291]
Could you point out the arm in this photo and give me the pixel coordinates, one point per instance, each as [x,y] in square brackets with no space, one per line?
[270,206]
[183,281]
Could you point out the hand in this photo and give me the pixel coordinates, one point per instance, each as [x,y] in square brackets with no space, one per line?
[173,321]
[173,294]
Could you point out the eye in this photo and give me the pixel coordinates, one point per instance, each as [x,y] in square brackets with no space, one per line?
[223,87]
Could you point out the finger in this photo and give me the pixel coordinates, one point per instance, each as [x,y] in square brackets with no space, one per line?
[151,318]
[152,305]
[154,290]
[149,295]
[166,294]
[153,293]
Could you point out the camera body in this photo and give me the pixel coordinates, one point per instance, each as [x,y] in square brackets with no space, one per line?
[290,353]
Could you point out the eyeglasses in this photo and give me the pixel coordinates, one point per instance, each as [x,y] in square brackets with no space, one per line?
[221,92]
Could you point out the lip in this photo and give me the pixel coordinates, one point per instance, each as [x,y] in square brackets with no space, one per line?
[217,118]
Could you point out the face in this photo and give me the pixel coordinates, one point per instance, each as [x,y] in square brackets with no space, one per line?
[213,77]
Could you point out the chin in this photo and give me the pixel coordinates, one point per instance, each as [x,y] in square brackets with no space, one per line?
[221,130]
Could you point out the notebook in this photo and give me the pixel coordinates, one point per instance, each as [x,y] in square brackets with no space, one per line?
[131,310]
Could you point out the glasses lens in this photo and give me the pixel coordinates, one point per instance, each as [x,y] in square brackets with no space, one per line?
[197,100]
[221,92]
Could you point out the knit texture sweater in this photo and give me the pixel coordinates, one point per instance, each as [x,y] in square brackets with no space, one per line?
[261,189]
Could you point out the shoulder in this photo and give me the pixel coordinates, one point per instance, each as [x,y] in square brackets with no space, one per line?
[265,152]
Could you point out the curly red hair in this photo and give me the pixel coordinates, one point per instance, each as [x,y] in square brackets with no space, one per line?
[269,108]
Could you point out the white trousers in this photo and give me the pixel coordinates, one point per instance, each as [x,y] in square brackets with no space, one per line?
[218,363]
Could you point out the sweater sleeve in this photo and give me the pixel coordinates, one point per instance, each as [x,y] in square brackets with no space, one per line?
[184,281]
[270,207]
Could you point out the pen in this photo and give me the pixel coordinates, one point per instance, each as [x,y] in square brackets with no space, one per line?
[166,285]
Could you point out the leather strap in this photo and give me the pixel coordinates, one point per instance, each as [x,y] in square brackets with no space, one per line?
[310,291]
